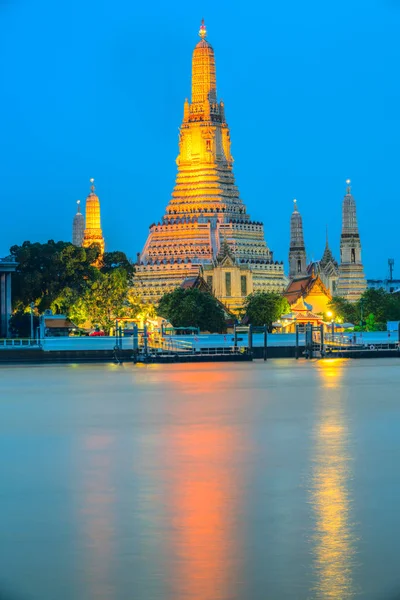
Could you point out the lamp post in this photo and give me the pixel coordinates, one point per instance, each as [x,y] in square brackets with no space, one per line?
[32,306]
[329,314]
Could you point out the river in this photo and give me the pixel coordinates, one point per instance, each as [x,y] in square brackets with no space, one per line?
[245,481]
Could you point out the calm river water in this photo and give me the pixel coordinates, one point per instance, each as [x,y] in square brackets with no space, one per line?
[200,482]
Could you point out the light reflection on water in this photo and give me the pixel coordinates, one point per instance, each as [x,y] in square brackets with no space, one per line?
[330,495]
[200,482]
[97,515]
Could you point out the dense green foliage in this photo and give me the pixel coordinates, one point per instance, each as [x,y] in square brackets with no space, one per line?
[46,271]
[263,308]
[20,324]
[192,308]
[63,277]
[371,312]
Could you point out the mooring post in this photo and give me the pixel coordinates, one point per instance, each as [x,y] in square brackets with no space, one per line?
[250,340]
[234,338]
[135,337]
[333,330]
[321,335]
[309,340]
[265,343]
[145,340]
[297,342]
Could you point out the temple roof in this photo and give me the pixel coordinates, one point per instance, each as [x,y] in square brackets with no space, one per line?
[327,257]
[303,286]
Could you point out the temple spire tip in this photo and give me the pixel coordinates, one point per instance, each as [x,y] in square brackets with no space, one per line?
[348,182]
[92,188]
[203,30]
[294,204]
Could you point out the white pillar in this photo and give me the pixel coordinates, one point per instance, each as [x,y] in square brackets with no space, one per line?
[3,313]
[8,303]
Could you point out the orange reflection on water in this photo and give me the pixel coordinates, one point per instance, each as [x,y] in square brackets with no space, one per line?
[97,512]
[334,538]
[203,492]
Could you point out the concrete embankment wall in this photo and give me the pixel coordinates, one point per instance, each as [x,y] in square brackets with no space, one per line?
[36,355]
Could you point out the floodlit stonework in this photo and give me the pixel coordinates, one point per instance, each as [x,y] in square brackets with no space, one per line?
[205,210]
[351,283]
[78,226]
[93,233]
[297,250]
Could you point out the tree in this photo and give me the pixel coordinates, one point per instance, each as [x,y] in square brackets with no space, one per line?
[20,324]
[65,278]
[116,260]
[104,301]
[192,308]
[263,308]
[44,271]
[376,302]
[343,309]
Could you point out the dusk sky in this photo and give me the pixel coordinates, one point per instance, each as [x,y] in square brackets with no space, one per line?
[96,89]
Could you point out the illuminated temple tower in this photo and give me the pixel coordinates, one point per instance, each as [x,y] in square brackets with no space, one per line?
[93,233]
[78,226]
[297,250]
[206,230]
[351,283]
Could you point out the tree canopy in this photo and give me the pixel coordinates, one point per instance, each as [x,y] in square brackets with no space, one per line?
[192,308]
[263,308]
[372,311]
[63,277]
[45,271]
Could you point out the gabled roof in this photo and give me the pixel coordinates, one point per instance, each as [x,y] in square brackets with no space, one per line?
[195,282]
[54,323]
[225,255]
[304,286]
[327,258]
[200,284]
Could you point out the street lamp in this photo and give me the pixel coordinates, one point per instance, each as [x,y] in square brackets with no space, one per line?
[329,314]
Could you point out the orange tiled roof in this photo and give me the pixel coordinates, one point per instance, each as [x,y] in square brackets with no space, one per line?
[302,287]
[59,324]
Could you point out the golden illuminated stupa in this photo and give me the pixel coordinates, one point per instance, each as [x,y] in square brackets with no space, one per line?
[206,229]
[93,233]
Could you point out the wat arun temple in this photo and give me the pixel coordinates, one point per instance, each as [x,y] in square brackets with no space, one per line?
[206,233]
[206,238]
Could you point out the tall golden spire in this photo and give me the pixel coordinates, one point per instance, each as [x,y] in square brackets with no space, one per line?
[93,233]
[204,83]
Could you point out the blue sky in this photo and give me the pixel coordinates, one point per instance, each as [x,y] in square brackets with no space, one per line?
[96,89]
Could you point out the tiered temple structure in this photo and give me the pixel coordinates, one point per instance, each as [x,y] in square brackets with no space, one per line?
[307,283]
[351,283]
[297,249]
[328,268]
[78,226]
[93,233]
[206,229]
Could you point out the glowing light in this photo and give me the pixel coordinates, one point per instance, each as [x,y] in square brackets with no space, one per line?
[329,314]
[203,30]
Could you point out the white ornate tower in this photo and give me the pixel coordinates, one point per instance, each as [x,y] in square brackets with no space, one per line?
[351,283]
[297,250]
[78,226]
